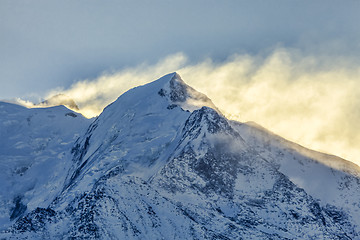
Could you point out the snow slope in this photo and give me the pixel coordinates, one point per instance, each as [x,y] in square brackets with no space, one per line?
[162,162]
[34,154]
[329,179]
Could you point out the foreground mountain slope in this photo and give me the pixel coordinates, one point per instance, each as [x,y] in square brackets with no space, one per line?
[162,162]
[329,179]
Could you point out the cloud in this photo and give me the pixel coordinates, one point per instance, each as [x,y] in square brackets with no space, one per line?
[310,99]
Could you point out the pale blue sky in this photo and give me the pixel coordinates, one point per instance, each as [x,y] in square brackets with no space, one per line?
[46,44]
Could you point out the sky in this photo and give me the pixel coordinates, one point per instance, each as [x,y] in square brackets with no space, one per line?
[291,66]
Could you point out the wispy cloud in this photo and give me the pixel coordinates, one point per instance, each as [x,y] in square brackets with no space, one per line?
[92,95]
[312,100]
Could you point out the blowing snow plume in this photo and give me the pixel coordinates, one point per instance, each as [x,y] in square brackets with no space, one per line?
[312,100]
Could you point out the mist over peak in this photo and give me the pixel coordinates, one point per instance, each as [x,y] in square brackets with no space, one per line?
[60,99]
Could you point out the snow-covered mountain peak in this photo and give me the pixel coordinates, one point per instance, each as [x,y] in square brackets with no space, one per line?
[168,92]
[206,122]
[167,99]
[179,93]
[161,162]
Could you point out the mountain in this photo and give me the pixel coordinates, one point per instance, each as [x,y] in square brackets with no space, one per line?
[162,162]
[33,155]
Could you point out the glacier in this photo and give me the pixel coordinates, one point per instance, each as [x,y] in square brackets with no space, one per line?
[162,162]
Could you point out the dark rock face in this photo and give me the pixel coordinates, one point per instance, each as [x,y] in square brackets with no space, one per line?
[78,152]
[18,209]
[35,221]
[179,91]
[71,115]
[210,118]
